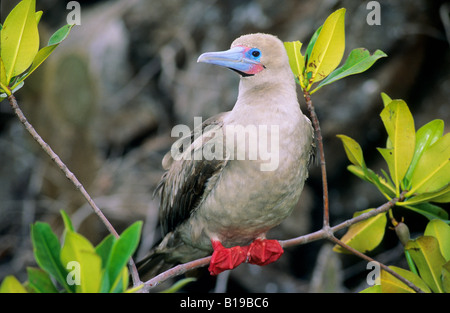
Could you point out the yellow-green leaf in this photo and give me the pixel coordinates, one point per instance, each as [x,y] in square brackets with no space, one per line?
[425,137]
[358,61]
[390,284]
[296,59]
[428,259]
[365,235]
[2,73]
[328,48]
[11,285]
[372,289]
[432,171]
[19,38]
[440,196]
[179,284]
[386,99]
[399,125]
[79,249]
[45,52]
[384,186]
[353,150]
[121,282]
[441,231]
[446,277]
[38,16]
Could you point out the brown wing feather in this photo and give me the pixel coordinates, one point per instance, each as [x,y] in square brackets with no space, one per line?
[185,182]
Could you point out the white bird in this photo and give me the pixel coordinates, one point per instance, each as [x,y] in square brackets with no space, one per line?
[242,172]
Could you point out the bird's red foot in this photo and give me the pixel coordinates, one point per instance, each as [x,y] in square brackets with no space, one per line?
[263,251]
[224,259]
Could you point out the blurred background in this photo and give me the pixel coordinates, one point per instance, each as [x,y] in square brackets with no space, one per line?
[108,96]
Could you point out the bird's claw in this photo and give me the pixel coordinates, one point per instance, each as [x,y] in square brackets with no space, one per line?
[260,252]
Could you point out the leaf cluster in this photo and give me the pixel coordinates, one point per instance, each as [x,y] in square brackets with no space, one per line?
[324,53]
[418,162]
[19,52]
[430,263]
[419,174]
[77,266]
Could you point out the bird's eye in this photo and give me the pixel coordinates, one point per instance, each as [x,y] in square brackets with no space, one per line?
[256,53]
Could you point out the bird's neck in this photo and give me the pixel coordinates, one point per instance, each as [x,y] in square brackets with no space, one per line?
[266,96]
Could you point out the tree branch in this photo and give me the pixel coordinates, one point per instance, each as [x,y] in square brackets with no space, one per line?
[319,140]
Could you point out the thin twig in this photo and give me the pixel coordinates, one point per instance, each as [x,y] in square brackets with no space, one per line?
[63,167]
[369,259]
[175,271]
[319,140]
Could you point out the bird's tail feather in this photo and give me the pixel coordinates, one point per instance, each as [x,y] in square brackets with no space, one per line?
[153,264]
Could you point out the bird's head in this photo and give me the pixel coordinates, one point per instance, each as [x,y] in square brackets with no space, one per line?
[251,55]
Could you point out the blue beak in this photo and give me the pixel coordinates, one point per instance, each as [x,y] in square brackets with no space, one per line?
[236,58]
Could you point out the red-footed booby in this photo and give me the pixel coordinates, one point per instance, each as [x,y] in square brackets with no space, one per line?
[239,174]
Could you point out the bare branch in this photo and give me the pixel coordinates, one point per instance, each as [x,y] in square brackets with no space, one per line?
[319,140]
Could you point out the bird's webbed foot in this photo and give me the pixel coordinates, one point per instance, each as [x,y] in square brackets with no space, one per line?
[224,259]
[260,252]
[264,251]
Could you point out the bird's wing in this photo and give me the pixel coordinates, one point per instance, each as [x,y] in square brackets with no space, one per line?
[185,183]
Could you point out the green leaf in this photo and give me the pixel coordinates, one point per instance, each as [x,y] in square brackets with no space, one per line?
[441,196]
[312,42]
[428,210]
[370,176]
[296,59]
[365,235]
[328,48]
[67,222]
[79,249]
[425,137]
[40,281]
[446,277]
[429,260]
[3,74]
[122,250]
[358,61]
[38,16]
[179,284]
[432,171]
[104,248]
[353,150]
[19,38]
[60,35]
[11,285]
[399,125]
[386,99]
[121,283]
[372,289]
[441,231]
[390,284]
[45,52]
[47,251]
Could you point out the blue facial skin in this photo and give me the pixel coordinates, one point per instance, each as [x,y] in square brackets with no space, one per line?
[245,61]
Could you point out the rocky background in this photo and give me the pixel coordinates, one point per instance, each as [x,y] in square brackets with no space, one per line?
[108,97]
